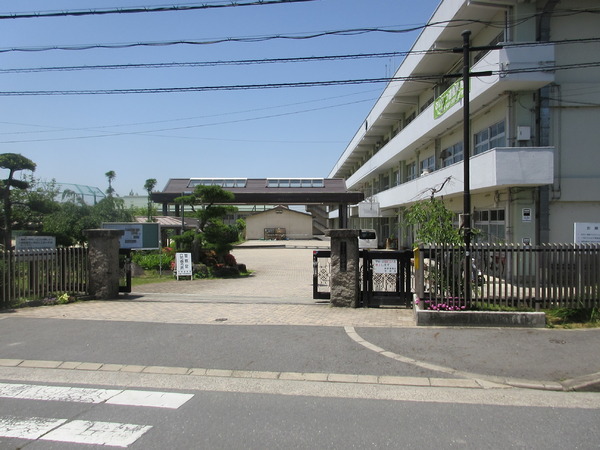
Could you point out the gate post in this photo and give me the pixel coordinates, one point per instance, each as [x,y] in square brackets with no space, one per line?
[345,279]
[103,256]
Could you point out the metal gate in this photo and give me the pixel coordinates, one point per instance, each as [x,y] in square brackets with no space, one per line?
[125,270]
[386,277]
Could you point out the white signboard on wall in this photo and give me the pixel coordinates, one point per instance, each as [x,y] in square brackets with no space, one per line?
[35,242]
[586,233]
[385,266]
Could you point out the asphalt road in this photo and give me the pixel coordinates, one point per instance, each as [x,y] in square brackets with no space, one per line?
[214,419]
[241,347]
[79,408]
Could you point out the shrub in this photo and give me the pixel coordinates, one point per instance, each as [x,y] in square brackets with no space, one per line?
[152,260]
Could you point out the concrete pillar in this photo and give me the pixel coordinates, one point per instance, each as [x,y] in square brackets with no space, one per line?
[345,281]
[103,254]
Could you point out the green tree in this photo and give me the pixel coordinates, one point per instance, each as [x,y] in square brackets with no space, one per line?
[209,204]
[13,162]
[32,205]
[74,216]
[220,236]
[110,175]
[149,186]
[433,223]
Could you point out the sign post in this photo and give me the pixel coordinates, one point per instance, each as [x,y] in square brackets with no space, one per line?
[183,266]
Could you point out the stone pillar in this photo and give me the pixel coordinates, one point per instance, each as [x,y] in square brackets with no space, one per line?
[345,281]
[103,255]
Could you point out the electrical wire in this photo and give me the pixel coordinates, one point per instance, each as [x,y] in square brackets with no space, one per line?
[213,63]
[143,9]
[276,60]
[239,87]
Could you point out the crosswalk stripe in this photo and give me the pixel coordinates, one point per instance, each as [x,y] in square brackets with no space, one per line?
[76,431]
[97,433]
[126,397]
[57,393]
[152,399]
[32,428]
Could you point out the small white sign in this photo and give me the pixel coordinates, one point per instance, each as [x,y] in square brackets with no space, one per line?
[385,266]
[587,233]
[368,209]
[35,242]
[184,264]
[526,215]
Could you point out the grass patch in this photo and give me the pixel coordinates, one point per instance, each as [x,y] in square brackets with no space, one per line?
[573,318]
[152,276]
[567,318]
[477,306]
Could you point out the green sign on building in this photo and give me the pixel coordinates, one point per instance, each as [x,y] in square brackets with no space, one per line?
[448,99]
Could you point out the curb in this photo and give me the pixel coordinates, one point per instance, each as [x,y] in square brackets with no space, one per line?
[586,383]
[388,380]
[480,318]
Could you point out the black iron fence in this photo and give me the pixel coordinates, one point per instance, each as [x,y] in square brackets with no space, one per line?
[547,276]
[36,274]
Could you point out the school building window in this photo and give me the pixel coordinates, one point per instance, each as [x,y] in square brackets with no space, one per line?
[490,137]
[452,154]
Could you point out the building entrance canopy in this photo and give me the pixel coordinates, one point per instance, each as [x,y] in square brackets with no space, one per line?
[267,191]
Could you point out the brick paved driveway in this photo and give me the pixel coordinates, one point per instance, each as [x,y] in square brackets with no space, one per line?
[279,274]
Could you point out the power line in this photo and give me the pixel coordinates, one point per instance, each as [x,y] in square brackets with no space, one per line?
[212,116]
[213,5]
[239,87]
[143,9]
[184,127]
[275,60]
[212,41]
[212,63]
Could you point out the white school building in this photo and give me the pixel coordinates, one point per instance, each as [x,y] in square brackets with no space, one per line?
[534,124]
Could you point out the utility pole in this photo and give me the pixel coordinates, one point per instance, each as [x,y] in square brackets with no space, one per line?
[466,161]
[466,50]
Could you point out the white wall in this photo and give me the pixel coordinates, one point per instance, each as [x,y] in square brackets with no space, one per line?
[297,225]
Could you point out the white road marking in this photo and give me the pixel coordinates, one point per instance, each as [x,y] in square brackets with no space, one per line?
[97,433]
[56,393]
[148,398]
[90,395]
[76,431]
[31,428]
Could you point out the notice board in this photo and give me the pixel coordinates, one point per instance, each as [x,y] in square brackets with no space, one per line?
[138,236]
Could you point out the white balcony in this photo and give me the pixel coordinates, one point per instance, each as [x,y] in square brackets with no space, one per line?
[483,91]
[495,169]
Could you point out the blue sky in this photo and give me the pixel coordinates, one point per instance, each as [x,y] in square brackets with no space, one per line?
[286,132]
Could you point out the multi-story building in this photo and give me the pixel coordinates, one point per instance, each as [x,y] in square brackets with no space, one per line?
[534,123]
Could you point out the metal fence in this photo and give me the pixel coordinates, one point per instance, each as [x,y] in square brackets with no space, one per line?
[547,276]
[36,274]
